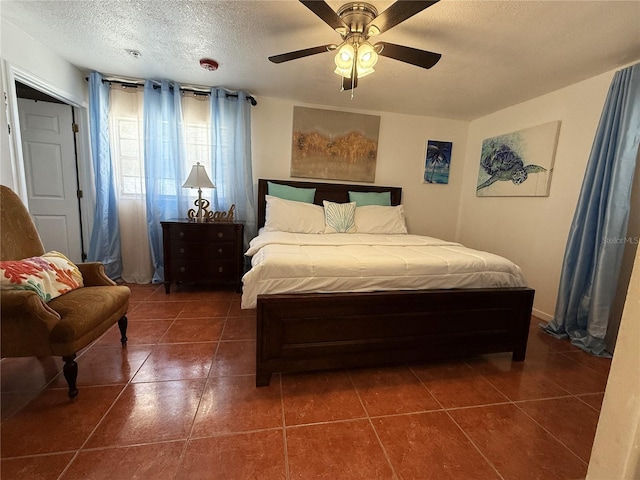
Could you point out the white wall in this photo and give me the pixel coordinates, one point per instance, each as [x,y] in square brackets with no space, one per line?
[430,209]
[29,61]
[33,57]
[26,58]
[532,231]
[6,173]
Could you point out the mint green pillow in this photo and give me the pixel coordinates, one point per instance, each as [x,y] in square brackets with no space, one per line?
[296,194]
[370,198]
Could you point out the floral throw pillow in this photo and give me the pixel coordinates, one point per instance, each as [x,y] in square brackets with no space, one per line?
[49,276]
[339,217]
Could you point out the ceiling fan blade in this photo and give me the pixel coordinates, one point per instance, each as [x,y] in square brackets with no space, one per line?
[285,57]
[419,58]
[398,12]
[326,14]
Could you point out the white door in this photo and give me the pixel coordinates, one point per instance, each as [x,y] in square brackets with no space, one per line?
[50,169]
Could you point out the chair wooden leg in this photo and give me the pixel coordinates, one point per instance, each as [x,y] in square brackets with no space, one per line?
[122,325]
[70,371]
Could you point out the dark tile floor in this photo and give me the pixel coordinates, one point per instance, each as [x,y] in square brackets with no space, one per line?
[180,402]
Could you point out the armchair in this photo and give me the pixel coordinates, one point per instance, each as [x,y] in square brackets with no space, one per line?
[64,325]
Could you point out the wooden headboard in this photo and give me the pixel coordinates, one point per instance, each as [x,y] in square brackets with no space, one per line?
[333,192]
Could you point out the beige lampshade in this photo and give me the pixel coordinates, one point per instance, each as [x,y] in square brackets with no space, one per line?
[198,178]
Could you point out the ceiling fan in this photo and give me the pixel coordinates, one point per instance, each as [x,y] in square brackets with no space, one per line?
[356,22]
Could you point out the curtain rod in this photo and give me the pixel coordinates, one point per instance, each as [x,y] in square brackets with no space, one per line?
[135,83]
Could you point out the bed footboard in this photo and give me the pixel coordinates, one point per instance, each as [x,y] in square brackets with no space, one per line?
[304,332]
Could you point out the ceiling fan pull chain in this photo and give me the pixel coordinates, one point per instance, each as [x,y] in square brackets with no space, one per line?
[354,69]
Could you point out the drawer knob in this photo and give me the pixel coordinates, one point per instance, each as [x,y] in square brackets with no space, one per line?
[220,234]
[181,234]
[182,269]
[220,269]
[182,250]
[219,250]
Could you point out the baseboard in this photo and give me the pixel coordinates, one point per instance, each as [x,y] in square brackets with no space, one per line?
[541,315]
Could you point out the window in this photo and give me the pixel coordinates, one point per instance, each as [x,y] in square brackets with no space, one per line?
[125,124]
[127,145]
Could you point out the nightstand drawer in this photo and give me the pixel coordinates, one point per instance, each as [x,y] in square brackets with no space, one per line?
[190,270]
[202,233]
[192,250]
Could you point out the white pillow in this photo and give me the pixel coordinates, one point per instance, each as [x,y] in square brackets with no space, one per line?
[339,217]
[380,219]
[295,217]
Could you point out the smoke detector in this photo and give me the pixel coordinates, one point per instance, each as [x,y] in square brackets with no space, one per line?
[208,64]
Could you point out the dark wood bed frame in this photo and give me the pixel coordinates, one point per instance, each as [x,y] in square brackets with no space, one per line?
[315,331]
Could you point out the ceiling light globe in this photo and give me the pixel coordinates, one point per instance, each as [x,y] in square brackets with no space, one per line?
[367,56]
[343,72]
[363,72]
[344,57]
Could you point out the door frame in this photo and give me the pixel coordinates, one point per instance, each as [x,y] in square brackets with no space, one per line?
[12,73]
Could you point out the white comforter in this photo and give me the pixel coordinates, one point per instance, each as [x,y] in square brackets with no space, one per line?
[327,263]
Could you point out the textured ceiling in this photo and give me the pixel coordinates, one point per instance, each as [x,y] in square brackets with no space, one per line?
[494,53]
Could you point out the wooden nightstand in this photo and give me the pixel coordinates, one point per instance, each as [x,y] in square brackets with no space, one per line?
[203,252]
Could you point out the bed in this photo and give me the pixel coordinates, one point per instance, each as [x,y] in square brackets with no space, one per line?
[306,326]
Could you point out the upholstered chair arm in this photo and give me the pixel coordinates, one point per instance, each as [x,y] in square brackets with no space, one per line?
[26,324]
[93,274]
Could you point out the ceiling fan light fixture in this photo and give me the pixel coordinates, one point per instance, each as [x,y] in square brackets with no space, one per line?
[344,57]
[363,72]
[367,56]
[343,72]
[363,54]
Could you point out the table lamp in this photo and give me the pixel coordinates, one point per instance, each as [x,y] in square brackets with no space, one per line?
[199,179]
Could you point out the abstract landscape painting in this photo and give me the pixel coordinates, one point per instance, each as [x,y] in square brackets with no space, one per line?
[438,162]
[518,163]
[334,145]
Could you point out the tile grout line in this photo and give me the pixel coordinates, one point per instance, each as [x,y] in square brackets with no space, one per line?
[326,422]
[375,432]
[552,435]
[568,395]
[77,453]
[580,395]
[222,434]
[489,462]
[425,386]
[457,425]
[287,470]
[190,436]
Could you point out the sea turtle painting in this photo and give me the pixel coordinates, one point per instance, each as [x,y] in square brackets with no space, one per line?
[502,162]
